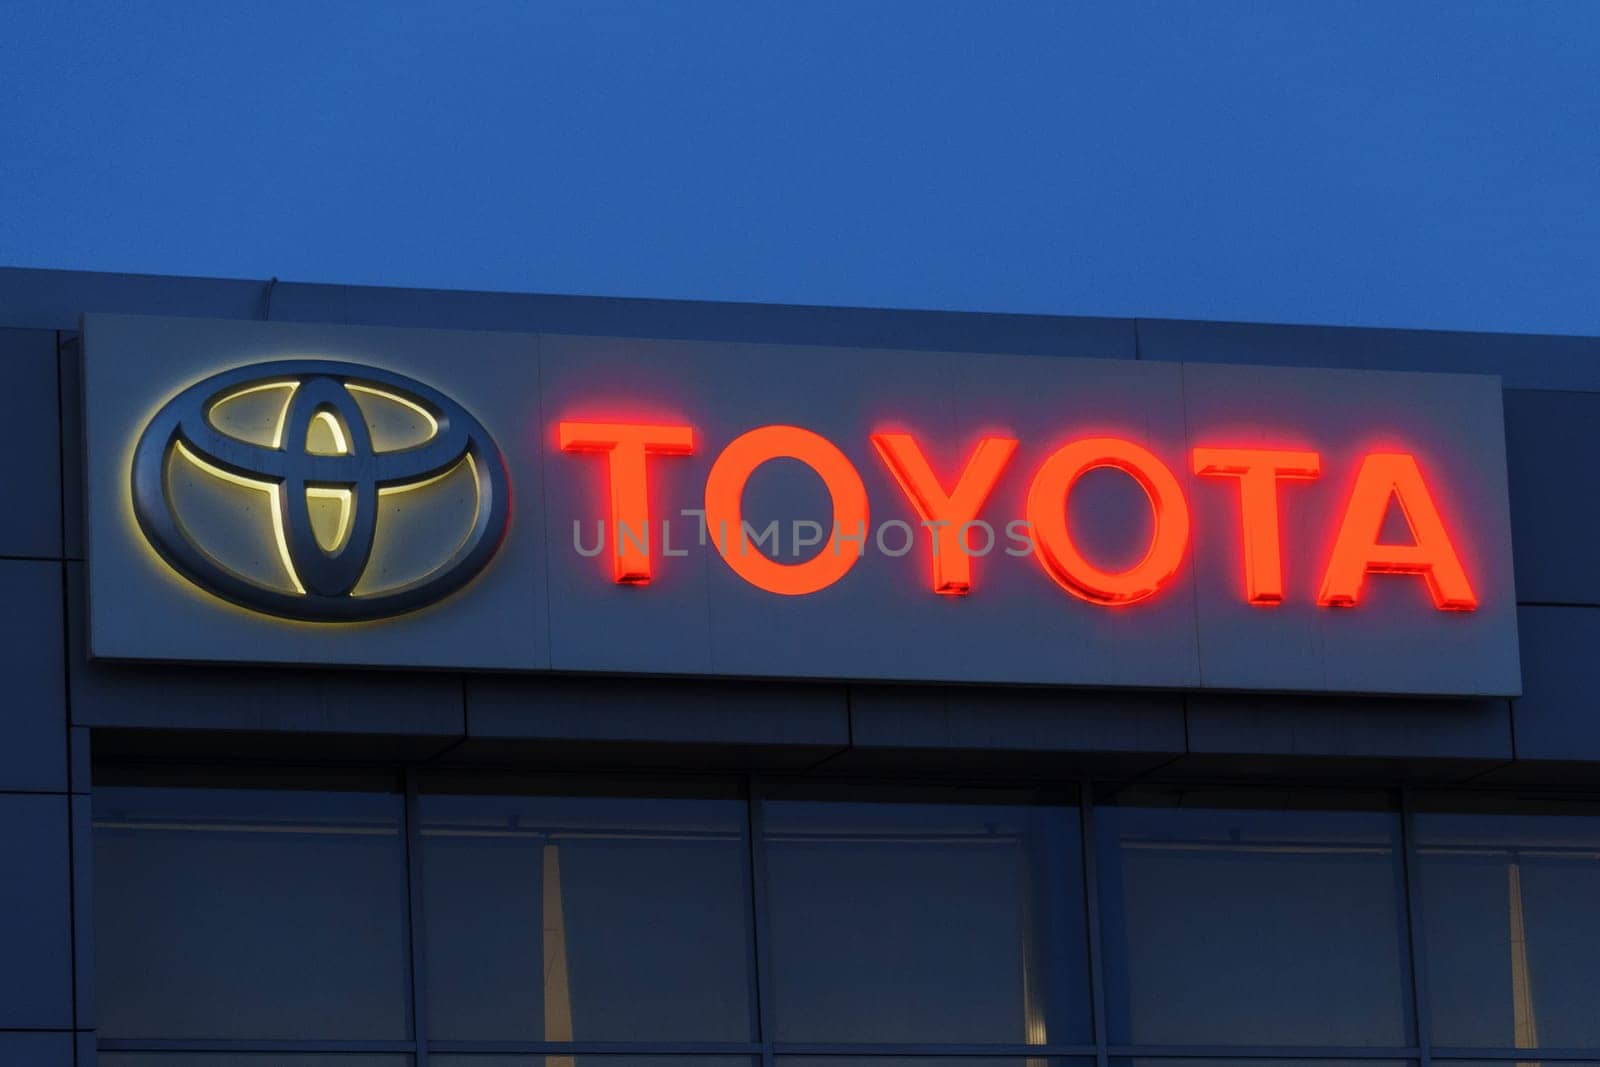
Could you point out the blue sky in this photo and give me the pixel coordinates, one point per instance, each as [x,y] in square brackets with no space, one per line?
[1405,164]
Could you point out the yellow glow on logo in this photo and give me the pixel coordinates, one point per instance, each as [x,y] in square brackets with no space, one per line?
[332,442]
[273,506]
[275,439]
[395,398]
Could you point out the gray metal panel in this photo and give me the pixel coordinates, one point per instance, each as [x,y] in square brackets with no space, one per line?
[1268,724]
[30,445]
[83,993]
[87,1046]
[1555,717]
[1552,439]
[494,376]
[1044,721]
[42,1049]
[55,299]
[673,711]
[33,739]
[881,621]
[1394,641]
[79,772]
[943,331]
[300,302]
[36,964]
[1527,361]
[306,700]
[72,471]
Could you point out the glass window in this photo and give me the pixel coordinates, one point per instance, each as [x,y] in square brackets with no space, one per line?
[561,917]
[248,913]
[958,919]
[252,1059]
[1151,1061]
[930,1061]
[469,1059]
[1252,919]
[1509,913]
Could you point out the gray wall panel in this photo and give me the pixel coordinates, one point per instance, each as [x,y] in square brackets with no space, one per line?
[37,1049]
[1240,724]
[944,331]
[72,486]
[672,711]
[1016,719]
[299,302]
[245,698]
[33,739]
[83,991]
[54,299]
[1524,360]
[30,445]
[1555,716]
[79,774]
[1552,439]
[36,961]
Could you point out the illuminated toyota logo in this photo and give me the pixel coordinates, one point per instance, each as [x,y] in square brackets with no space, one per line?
[319,490]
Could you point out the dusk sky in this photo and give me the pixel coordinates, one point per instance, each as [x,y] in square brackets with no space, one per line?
[1412,164]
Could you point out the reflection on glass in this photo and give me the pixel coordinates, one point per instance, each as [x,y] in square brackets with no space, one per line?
[926,922]
[1237,925]
[238,913]
[1511,924]
[590,918]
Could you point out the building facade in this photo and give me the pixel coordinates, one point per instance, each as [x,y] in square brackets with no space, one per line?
[334,865]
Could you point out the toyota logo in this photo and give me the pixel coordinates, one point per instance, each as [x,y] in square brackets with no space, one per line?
[321,491]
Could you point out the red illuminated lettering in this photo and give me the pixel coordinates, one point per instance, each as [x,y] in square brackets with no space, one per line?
[725,509]
[626,445]
[946,513]
[1357,552]
[1060,557]
[1259,470]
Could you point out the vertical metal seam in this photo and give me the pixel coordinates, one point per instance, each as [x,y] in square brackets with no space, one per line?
[416,916]
[1421,1013]
[73,978]
[1091,899]
[760,940]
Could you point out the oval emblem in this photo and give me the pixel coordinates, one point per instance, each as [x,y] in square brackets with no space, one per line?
[321,491]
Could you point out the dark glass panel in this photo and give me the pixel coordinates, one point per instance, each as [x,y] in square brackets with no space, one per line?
[927,921]
[1511,922]
[554,917]
[501,1059]
[930,1061]
[252,1059]
[1253,919]
[1250,1061]
[248,913]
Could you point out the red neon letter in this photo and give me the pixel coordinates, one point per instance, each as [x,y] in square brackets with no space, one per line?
[952,569]
[1357,551]
[725,509]
[1258,471]
[625,446]
[1047,499]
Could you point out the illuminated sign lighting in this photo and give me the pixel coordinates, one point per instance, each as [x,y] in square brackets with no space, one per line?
[1384,479]
[318,447]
